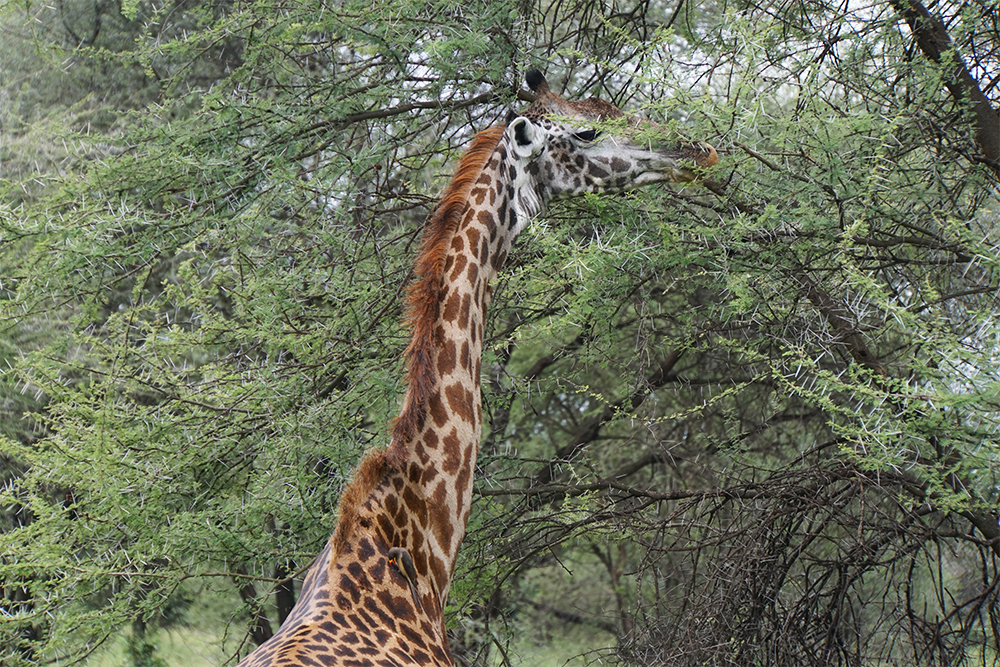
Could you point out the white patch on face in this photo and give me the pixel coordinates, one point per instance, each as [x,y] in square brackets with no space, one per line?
[526,201]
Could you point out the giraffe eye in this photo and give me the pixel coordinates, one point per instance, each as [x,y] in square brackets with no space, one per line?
[586,136]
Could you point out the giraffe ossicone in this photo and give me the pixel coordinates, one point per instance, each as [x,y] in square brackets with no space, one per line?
[376,594]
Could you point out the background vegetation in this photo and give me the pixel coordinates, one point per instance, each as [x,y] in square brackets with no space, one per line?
[754,422]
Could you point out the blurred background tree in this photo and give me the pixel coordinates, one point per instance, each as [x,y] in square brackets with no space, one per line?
[753,422]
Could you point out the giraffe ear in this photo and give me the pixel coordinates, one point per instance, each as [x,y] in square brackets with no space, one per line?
[526,139]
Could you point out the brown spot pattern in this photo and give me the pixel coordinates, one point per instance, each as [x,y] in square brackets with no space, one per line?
[437,410]
[447,358]
[460,401]
[452,453]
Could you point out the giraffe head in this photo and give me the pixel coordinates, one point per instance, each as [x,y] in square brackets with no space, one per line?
[569,148]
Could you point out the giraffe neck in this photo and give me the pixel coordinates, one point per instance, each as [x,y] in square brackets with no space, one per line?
[442,446]
[416,495]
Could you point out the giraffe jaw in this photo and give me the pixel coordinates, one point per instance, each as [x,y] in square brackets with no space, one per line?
[682,164]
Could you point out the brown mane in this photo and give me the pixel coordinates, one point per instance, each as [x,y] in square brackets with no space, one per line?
[424,304]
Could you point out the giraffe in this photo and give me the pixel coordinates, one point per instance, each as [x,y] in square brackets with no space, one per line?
[375,595]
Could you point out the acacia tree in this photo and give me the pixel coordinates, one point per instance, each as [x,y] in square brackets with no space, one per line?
[70,82]
[759,416]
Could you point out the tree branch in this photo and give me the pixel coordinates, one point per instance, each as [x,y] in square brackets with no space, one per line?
[935,43]
[591,427]
[260,628]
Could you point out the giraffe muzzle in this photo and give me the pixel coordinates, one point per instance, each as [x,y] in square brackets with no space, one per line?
[690,160]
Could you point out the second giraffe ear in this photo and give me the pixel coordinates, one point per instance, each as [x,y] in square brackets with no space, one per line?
[526,139]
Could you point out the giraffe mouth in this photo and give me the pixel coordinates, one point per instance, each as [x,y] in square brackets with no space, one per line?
[702,154]
[690,160]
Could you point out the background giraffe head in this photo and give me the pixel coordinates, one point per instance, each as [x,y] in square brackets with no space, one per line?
[565,148]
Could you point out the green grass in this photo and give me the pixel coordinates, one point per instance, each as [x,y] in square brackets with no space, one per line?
[570,646]
[178,647]
[190,647]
